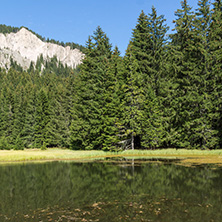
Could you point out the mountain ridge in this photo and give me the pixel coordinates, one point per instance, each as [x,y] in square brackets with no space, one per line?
[25,47]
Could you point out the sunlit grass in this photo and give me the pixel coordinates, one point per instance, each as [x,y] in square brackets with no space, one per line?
[66,154]
[173,152]
[187,157]
[49,154]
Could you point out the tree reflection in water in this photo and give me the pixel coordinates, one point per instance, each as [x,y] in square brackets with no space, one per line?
[110,190]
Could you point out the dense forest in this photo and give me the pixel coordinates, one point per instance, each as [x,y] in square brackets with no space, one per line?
[165,92]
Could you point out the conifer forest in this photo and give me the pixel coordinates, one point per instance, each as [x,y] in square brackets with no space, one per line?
[165,92]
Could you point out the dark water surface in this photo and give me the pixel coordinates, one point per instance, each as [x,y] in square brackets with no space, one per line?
[110,191]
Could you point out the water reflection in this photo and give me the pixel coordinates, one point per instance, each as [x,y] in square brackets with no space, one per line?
[110,191]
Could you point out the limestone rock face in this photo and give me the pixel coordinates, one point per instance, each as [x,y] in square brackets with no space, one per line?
[24,47]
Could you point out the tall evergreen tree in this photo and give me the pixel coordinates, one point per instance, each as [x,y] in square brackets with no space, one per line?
[4,118]
[113,132]
[19,118]
[157,82]
[9,110]
[87,127]
[136,63]
[204,130]
[29,124]
[134,99]
[191,69]
[140,44]
[146,58]
[215,80]
[184,67]
[42,120]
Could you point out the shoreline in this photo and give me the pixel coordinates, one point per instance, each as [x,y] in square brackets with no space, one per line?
[187,157]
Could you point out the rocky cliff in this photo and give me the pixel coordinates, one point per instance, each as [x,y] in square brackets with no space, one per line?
[24,47]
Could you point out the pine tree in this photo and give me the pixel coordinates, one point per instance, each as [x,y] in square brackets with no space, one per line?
[3,118]
[67,104]
[30,118]
[3,110]
[141,43]
[157,82]
[59,118]
[80,125]
[134,99]
[147,73]
[191,69]
[205,134]
[53,137]
[184,62]
[136,65]
[215,79]
[87,125]
[153,48]
[9,111]
[113,109]
[19,118]
[42,120]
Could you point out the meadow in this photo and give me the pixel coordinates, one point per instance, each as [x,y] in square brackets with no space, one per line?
[56,154]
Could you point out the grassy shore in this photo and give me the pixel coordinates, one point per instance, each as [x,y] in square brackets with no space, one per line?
[188,156]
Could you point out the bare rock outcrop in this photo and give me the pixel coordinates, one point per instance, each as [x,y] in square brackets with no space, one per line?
[24,47]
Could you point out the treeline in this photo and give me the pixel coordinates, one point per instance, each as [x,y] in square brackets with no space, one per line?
[35,110]
[165,92]
[9,29]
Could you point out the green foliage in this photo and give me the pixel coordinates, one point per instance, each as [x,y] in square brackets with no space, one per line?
[19,145]
[43,147]
[42,118]
[162,93]
[32,110]
[134,97]
[215,78]
[8,29]
[192,73]
[89,115]
[145,67]
[4,143]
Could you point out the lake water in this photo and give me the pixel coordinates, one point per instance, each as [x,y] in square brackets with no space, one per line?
[110,191]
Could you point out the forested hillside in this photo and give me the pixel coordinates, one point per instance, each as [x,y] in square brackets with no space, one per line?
[9,29]
[165,92]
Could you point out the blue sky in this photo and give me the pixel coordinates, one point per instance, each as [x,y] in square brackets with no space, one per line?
[75,20]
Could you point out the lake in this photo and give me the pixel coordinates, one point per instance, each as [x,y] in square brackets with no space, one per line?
[110,190]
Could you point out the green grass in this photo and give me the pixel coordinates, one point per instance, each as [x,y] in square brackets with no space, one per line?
[65,154]
[49,154]
[173,152]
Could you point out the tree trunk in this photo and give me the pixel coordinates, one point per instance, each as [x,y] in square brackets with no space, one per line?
[132,142]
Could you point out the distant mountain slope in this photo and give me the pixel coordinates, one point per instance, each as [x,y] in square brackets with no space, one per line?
[8,29]
[25,47]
